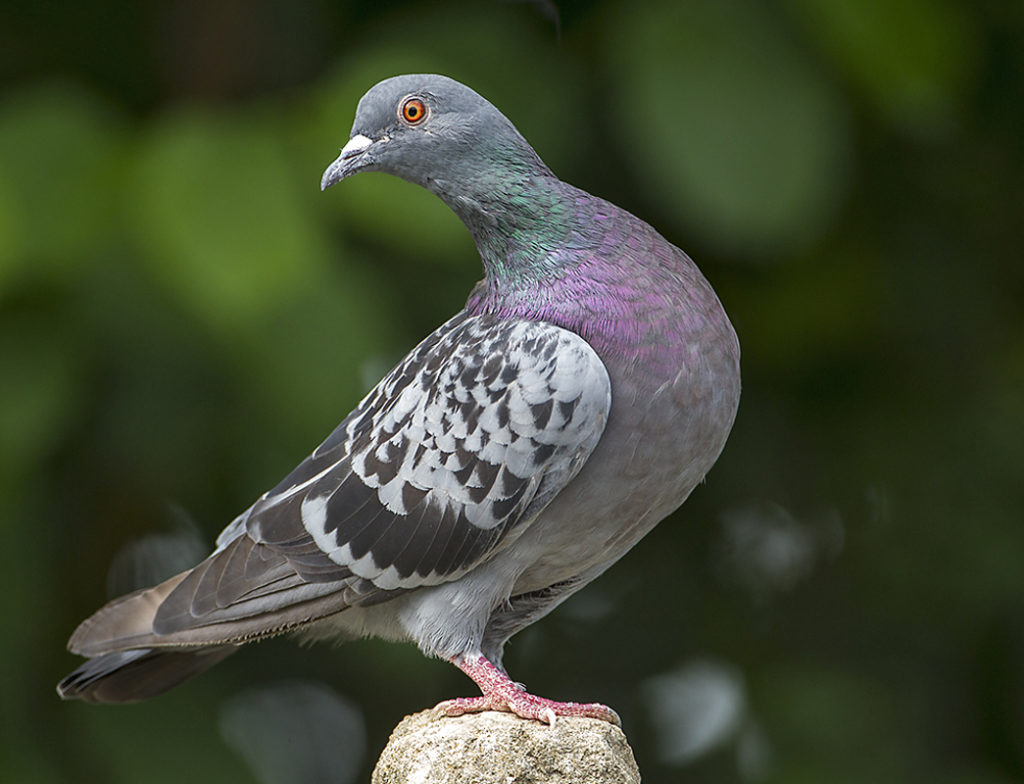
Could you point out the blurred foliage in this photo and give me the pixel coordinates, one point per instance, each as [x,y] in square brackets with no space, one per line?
[183,315]
[741,191]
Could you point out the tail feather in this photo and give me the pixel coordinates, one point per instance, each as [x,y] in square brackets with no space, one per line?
[125,622]
[130,676]
[142,644]
[216,603]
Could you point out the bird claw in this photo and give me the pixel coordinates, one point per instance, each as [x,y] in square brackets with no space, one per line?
[527,706]
[501,693]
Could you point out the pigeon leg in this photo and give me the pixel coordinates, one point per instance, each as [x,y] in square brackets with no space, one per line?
[503,694]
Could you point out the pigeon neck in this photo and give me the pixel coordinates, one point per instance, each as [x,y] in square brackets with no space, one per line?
[520,224]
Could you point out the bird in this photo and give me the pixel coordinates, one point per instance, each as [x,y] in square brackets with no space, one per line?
[585,389]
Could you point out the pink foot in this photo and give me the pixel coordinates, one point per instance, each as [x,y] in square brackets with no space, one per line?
[503,694]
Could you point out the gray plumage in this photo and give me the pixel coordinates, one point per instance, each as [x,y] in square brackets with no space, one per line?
[516,453]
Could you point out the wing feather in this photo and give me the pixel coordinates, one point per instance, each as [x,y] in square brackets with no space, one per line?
[448,459]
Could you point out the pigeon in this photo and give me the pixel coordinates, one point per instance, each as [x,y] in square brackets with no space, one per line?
[585,389]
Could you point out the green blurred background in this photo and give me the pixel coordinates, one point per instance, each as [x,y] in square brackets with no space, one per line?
[183,315]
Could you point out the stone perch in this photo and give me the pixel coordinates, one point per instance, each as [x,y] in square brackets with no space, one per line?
[499,748]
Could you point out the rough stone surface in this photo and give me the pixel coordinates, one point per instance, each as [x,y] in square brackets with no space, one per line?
[499,748]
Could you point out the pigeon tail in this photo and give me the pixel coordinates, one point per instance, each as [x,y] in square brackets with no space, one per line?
[125,622]
[131,676]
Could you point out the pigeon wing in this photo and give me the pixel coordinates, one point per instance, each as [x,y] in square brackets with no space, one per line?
[448,459]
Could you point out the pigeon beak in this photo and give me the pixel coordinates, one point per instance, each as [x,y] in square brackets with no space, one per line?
[349,162]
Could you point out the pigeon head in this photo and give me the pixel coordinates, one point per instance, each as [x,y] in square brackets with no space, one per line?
[437,133]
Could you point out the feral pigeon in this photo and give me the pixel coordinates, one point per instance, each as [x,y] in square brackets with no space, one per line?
[586,388]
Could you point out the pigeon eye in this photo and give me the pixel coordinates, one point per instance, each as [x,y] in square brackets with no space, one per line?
[413,111]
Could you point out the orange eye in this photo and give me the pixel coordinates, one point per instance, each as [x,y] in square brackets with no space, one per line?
[413,111]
